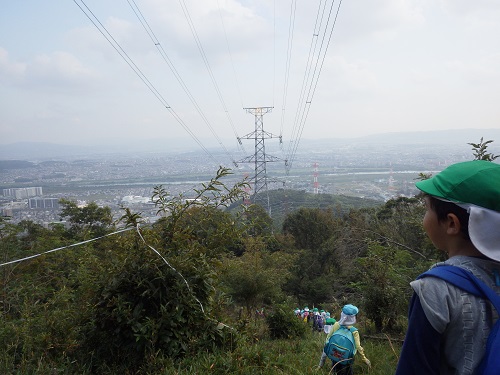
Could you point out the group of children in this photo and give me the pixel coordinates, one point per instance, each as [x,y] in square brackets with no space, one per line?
[321,319]
[342,342]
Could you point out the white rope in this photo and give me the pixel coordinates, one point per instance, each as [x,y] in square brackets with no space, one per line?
[64,247]
[168,264]
[220,324]
[111,234]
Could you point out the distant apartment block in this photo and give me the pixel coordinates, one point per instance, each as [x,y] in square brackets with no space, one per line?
[23,193]
[43,203]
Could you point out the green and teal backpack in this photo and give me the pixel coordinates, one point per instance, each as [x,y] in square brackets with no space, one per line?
[340,347]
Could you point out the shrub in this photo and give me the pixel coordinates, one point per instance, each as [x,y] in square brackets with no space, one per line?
[284,324]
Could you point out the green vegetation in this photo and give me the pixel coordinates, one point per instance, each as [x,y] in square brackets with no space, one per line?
[181,296]
[480,150]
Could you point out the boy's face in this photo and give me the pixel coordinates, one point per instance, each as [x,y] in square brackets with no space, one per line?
[435,229]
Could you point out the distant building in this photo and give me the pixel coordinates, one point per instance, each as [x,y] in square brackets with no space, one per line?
[43,203]
[11,207]
[23,193]
[135,199]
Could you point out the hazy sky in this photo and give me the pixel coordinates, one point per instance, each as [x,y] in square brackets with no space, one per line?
[391,65]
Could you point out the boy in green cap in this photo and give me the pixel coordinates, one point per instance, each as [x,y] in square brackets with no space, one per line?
[447,326]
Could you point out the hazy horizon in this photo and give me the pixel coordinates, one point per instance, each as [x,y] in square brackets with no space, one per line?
[453,137]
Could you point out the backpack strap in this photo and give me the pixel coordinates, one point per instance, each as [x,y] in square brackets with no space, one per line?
[465,280]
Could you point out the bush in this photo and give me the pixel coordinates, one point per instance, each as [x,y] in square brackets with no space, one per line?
[143,307]
[283,324]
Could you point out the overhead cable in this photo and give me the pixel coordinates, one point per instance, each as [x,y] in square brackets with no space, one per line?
[161,50]
[312,48]
[207,64]
[291,28]
[234,73]
[230,54]
[102,29]
[318,66]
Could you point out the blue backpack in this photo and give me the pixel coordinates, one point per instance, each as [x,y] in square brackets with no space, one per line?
[340,346]
[465,280]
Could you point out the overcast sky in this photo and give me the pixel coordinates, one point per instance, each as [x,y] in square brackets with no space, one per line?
[391,65]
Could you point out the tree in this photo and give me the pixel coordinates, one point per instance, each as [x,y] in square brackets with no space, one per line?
[87,221]
[257,276]
[399,223]
[310,227]
[212,228]
[384,274]
[161,295]
[256,220]
[214,194]
[480,150]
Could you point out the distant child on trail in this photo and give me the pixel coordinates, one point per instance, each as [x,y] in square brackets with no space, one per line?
[343,343]
[329,322]
[318,321]
[448,327]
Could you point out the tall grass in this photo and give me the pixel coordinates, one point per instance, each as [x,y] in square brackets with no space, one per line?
[291,357]
[255,353]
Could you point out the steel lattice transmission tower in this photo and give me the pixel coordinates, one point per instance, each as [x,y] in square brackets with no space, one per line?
[260,158]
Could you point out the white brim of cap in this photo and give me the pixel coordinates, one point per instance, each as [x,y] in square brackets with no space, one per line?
[484,231]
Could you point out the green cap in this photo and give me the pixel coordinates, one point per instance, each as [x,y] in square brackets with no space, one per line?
[476,182]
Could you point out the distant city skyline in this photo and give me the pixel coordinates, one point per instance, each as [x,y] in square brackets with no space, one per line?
[451,139]
[390,66]
[372,167]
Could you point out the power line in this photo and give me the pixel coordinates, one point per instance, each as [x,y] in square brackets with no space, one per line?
[315,77]
[207,64]
[121,52]
[291,29]
[312,49]
[111,40]
[162,52]
[274,48]
[234,70]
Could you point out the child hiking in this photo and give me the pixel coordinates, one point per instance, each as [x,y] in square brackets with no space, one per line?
[343,343]
[448,327]
[318,321]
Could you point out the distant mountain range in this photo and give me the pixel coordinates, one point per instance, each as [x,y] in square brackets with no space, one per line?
[45,151]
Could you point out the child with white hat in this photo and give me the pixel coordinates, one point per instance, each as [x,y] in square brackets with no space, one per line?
[347,320]
[448,327]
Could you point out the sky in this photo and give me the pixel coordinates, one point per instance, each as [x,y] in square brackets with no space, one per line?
[389,66]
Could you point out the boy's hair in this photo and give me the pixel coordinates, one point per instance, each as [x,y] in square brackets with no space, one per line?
[443,208]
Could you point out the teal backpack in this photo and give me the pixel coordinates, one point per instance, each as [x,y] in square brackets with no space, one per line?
[341,347]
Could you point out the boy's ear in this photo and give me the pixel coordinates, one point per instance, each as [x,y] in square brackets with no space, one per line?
[453,224]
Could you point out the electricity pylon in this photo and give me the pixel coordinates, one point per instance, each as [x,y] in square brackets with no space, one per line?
[260,158]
